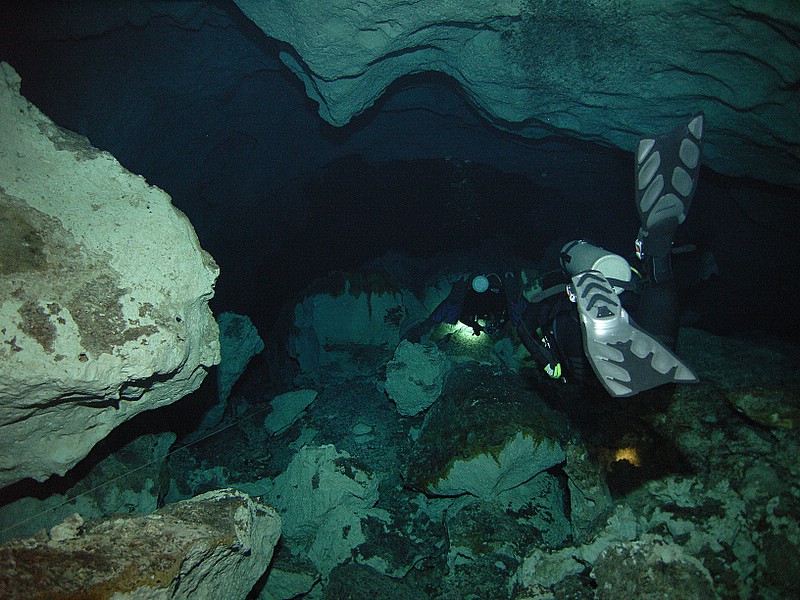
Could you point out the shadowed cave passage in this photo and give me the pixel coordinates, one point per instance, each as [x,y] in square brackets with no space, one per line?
[358,212]
[199,104]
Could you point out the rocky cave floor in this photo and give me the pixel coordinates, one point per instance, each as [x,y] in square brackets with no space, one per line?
[704,481]
[692,489]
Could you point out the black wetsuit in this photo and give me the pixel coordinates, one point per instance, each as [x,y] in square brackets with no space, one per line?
[490,306]
[652,306]
[466,305]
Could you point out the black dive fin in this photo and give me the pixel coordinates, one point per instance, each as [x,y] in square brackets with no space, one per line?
[626,359]
[667,169]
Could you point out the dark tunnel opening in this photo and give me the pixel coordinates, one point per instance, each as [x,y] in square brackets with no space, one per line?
[203,108]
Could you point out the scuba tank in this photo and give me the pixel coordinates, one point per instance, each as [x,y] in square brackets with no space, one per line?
[579,256]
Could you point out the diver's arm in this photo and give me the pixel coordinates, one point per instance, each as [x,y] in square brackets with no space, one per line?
[414,334]
[540,350]
[471,322]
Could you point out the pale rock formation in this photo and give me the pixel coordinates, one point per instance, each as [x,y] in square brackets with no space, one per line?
[216,545]
[486,474]
[239,342]
[286,409]
[602,71]
[322,498]
[348,324]
[415,377]
[104,293]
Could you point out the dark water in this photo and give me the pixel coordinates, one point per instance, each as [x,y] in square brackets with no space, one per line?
[207,112]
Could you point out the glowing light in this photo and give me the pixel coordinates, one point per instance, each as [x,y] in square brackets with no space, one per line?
[466,336]
[629,454]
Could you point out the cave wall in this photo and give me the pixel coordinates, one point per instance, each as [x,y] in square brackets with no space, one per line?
[602,71]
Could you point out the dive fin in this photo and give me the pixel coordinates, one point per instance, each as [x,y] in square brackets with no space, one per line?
[667,169]
[626,359]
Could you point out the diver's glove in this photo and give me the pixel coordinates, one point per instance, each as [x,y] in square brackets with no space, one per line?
[553,370]
[553,367]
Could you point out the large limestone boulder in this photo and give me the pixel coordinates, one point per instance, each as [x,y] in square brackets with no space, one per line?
[213,546]
[348,323]
[415,377]
[324,496]
[604,71]
[104,293]
[484,437]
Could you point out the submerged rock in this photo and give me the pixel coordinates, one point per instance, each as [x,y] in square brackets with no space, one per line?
[589,496]
[352,580]
[346,324]
[415,377]
[323,496]
[212,546]
[651,568]
[104,293]
[771,407]
[286,409]
[485,436]
[239,342]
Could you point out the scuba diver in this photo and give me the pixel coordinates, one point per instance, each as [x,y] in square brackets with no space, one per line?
[580,320]
[478,301]
[581,317]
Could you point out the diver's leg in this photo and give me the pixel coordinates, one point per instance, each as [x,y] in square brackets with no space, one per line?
[667,169]
[626,359]
[658,312]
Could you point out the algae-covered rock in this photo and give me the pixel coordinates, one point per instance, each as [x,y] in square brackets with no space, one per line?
[589,496]
[648,569]
[771,407]
[213,546]
[486,435]
[415,377]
